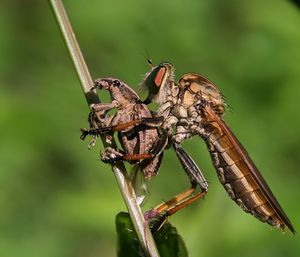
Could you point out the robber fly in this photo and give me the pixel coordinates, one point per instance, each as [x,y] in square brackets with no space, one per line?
[195,106]
[139,136]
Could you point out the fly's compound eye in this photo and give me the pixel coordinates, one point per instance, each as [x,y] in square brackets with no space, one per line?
[155,79]
[117,83]
[160,76]
[157,75]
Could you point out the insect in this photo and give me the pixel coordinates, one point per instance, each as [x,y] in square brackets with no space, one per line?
[195,106]
[136,141]
[139,136]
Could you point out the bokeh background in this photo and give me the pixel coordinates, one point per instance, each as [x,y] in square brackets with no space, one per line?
[58,199]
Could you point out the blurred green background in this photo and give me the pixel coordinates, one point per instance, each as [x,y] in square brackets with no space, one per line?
[58,199]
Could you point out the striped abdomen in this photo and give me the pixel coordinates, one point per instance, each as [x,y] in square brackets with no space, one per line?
[241,179]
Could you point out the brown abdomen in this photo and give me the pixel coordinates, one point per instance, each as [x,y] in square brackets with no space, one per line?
[238,179]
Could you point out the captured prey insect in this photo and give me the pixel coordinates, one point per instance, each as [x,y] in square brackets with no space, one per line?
[195,106]
[136,141]
[140,139]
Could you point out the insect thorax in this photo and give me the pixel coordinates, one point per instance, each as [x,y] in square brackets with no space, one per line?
[182,120]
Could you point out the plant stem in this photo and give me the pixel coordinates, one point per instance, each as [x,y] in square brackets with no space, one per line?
[91,96]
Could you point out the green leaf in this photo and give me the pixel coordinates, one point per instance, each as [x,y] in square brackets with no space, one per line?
[168,242]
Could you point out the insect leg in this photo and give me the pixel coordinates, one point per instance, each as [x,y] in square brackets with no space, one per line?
[161,212]
[175,200]
[101,108]
[170,207]
[96,130]
[192,170]
[187,201]
[112,155]
[96,117]
[149,122]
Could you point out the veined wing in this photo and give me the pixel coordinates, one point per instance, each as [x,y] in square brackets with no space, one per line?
[239,175]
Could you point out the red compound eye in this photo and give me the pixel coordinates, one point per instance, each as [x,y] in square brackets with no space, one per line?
[159,76]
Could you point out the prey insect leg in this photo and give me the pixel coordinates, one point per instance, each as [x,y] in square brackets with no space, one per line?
[98,114]
[144,123]
[112,155]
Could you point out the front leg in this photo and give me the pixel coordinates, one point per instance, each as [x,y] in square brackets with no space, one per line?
[100,110]
[111,155]
[98,118]
[97,130]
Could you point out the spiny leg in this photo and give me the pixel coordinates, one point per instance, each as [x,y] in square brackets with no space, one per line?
[190,167]
[176,203]
[149,122]
[175,200]
[166,209]
[196,178]
[160,213]
[189,200]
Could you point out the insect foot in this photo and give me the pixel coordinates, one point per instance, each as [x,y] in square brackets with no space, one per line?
[85,132]
[111,155]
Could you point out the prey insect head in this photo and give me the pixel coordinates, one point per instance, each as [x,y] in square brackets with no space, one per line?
[118,89]
[106,83]
[157,78]
[102,83]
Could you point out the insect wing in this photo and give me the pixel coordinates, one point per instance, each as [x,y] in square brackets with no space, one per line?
[256,176]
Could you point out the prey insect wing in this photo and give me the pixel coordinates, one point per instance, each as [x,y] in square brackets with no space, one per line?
[256,197]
